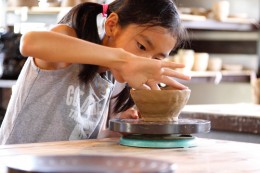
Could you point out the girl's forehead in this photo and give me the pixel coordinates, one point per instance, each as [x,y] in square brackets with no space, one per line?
[157,37]
[141,28]
[155,32]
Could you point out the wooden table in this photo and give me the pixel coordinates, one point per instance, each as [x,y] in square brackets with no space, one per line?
[210,156]
[241,117]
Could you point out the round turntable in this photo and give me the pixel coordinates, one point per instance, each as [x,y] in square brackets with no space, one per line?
[139,133]
[86,164]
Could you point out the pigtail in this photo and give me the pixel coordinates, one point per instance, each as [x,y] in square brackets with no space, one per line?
[123,100]
[83,18]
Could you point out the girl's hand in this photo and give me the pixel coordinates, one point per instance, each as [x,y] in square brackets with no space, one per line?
[130,113]
[144,73]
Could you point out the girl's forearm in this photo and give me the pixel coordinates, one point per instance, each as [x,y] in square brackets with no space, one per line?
[56,47]
[138,72]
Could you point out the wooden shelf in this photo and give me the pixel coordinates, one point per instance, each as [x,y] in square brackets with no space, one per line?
[221,76]
[37,10]
[220,26]
[197,77]
[197,22]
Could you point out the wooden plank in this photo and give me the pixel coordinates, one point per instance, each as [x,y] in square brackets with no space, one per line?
[223,46]
[227,117]
[220,26]
[217,77]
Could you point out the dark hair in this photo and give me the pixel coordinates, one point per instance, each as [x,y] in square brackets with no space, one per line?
[83,18]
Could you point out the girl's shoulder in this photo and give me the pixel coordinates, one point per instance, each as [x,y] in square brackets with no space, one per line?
[64,29]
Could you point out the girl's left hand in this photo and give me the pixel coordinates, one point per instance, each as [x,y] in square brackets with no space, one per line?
[145,73]
[130,113]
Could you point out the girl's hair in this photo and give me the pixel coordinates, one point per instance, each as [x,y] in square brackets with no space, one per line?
[83,18]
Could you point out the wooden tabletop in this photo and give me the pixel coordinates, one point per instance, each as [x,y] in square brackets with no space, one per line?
[240,117]
[210,156]
[237,109]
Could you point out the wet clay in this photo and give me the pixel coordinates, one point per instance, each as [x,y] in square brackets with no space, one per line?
[160,105]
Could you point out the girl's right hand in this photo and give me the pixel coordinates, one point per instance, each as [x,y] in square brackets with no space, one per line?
[145,73]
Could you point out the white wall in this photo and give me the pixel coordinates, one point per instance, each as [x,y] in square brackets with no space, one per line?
[223,93]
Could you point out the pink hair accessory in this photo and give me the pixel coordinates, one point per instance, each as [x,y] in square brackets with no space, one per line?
[105,8]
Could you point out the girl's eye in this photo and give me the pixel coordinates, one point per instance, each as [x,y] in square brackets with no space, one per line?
[158,58]
[140,46]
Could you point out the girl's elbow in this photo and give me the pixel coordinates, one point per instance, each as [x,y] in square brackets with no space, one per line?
[26,44]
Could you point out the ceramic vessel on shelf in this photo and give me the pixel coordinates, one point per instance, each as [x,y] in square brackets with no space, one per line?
[71,3]
[215,64]
[200,62]
[22,3]
[256,90]
[221,10]
[186,57]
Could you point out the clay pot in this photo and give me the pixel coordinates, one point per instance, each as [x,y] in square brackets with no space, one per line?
[215,64]
[221,10]
[71,3]
[20,3]
[200,62]
[256,90]
[160,105]
[186,57]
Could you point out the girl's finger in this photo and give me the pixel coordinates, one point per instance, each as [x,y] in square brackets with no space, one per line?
[173,83]
[172,65]
[134,116]
[153,85]
[143,87]
[172,73]
[131,113]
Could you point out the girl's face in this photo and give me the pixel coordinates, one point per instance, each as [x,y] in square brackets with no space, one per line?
[151,42]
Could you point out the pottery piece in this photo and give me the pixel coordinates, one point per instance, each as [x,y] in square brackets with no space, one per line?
[186,57]
[215,64]
[256,90]
[221,10]
[71,3]
[160,105]
[232,67]
[22,3]
[200,62]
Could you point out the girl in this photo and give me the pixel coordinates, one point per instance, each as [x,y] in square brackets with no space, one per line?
[64,90]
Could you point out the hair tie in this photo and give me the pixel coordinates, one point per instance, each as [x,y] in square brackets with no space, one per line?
[105,8]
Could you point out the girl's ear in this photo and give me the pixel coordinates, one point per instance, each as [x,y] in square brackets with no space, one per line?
[111,24]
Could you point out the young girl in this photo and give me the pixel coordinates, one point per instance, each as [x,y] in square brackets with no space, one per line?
[64,89]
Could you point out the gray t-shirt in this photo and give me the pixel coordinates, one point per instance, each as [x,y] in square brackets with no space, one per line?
[53,105]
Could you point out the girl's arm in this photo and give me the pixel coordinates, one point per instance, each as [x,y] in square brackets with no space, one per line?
[61,48]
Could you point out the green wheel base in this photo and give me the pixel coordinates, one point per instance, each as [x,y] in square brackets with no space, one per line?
[176,142]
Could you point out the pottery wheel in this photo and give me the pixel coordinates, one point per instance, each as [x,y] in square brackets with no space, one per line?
[87,164]
[138,126]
